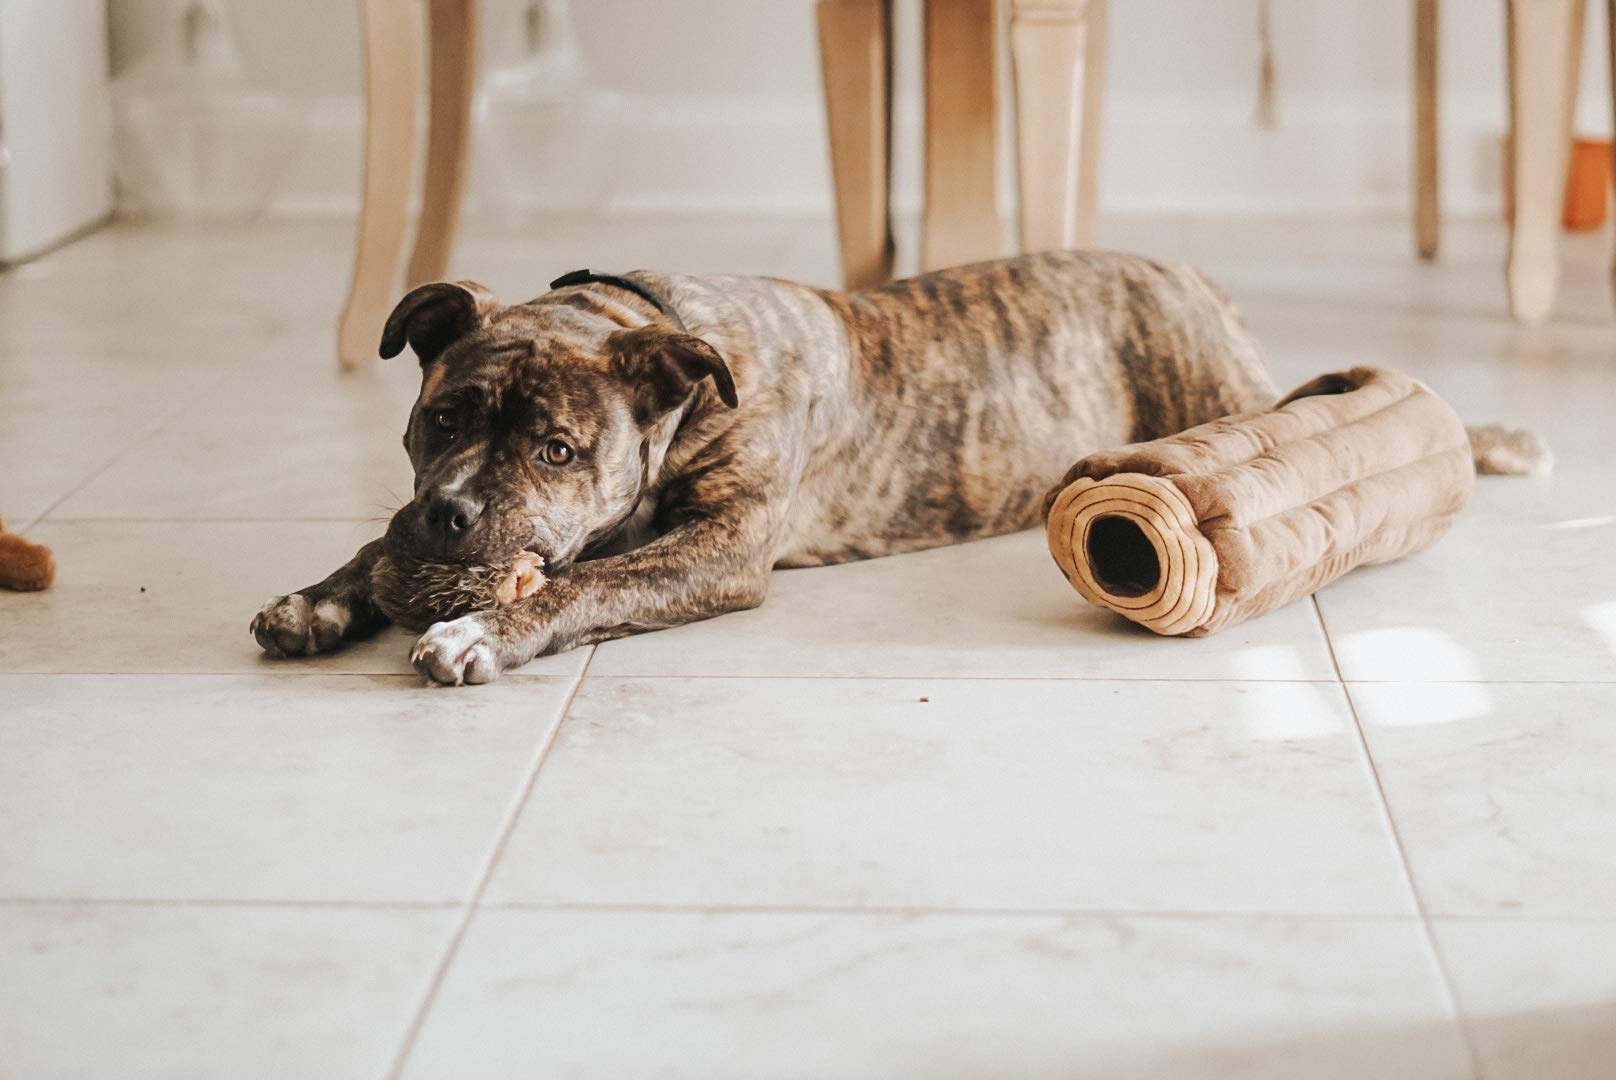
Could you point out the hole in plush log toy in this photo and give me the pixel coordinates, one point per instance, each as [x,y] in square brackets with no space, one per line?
[1121,556]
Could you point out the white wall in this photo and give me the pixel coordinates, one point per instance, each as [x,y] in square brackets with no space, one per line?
[723,108]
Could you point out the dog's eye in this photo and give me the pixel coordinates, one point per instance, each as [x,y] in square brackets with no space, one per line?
[557,452]
[445,419]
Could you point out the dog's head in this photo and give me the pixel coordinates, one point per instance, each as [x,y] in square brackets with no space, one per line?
[536,422]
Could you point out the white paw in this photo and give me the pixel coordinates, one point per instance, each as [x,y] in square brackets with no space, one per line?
[291,626]
[456,652]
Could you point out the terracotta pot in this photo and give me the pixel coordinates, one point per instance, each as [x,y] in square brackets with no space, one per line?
[1587,195]
[1587,191]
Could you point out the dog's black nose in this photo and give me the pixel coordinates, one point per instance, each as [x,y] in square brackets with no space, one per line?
[452,517]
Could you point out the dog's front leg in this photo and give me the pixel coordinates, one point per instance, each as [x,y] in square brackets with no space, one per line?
[698,570]
[320,617]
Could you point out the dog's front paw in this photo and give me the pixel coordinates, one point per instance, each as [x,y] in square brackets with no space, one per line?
[460,651]
[292,626]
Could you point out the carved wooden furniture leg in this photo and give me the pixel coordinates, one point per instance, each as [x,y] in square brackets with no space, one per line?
[392,33]
[855,51]
[961,219]
[1057,48]
[1427,205]
[1545,39]
[452,38]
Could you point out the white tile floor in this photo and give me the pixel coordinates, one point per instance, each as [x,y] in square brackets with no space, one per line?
[919,817]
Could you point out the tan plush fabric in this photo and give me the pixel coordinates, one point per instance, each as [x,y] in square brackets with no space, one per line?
[1206,528]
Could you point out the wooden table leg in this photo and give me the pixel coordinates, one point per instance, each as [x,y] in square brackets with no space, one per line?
[855,51]
[392,33]
[1545,52]
[1427,205]
[452,39]
[1058,51]
[961,219]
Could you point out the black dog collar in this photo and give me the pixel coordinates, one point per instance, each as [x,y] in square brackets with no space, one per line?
[585,277]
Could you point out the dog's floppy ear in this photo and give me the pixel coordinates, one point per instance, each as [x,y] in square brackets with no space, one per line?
[664,369]
[433,316]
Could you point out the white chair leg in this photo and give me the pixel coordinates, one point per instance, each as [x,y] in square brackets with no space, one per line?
[392,36]
[452,38]
[855,52]
[1058,51]
[1545,39]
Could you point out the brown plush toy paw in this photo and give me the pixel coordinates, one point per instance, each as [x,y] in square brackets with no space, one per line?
[24,565]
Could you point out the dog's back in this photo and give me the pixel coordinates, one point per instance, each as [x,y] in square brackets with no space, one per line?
[940,408]
[974,388]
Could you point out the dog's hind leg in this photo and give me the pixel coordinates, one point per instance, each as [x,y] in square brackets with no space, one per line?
[1188,354]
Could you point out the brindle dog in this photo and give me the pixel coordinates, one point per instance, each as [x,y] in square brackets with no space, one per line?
[661,472]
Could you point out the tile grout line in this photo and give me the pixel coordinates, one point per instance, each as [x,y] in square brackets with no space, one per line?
[767,908]
[232,902]
[901,910]
[1427,931]
[322,673]
[1331,680]
[394,674]
[134,444]
[468,912]
[317,672]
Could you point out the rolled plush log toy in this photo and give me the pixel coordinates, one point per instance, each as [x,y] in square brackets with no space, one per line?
[1209,527]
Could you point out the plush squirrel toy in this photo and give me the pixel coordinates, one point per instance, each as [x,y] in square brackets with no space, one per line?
[24,566]
[417,594]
